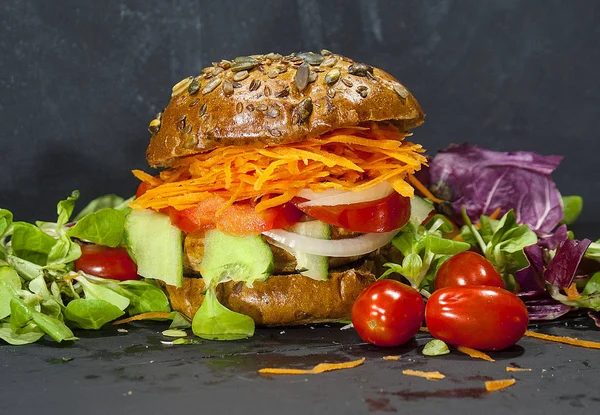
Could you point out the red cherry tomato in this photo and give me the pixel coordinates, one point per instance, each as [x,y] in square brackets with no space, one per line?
[383,215]
[483,318]
[388,313]
[467,268]
[238,219]
[106,262]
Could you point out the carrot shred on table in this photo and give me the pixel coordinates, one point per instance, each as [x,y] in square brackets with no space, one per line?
[427,375]
[320,368]
[518,369]
[424,329]
[393,357]
[496,385]
[475,354]
[572,293]
[143,316]
[344,159]
[565,340]
[421,188]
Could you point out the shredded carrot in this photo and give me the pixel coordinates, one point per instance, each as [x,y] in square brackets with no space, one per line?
[566,340]
[396,357]
[320,368]
[424,329]
[495,213]
[421,188]
[146,178]
[350,159]
[427,375]
[143,316]
[518,369]
[572,293]
[475,354]
[496,385]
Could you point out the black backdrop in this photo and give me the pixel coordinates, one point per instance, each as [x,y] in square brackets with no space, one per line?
[80,80]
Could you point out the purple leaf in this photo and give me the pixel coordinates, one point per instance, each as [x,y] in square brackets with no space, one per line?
[546,309]
[595,317]
[553,241]
[531,278]
[562,268]
[484,180]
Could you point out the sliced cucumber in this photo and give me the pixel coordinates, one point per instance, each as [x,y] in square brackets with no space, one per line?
[155,245]
[419,210]
[237,258]
[313,266]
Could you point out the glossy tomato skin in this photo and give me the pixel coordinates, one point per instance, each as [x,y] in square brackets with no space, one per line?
[106,262]
[383,215]
[467,268]
[388,313]
[480,317]
[239,219]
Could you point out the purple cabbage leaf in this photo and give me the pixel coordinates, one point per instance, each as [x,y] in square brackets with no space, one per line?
[483,180]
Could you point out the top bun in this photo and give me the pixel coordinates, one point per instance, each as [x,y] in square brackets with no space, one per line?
[265,100]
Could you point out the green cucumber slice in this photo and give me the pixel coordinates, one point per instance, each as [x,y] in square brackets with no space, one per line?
[237,258]
[155,245]
[313,266]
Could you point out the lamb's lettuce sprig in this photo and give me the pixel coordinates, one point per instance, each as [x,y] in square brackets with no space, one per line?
[40,294]
[424,249]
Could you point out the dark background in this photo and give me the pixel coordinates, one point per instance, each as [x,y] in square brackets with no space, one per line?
[80,80]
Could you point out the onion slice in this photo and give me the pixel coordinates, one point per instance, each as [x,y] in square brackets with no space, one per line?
[333,197]
[360,245]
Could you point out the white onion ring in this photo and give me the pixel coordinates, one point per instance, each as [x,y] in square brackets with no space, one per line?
[332,197]
[360,245]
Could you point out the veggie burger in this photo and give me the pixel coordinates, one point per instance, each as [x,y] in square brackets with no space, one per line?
[284,179]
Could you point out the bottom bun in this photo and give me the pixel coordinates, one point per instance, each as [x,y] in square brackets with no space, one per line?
[282,299]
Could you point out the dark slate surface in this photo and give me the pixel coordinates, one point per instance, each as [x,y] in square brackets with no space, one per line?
[134,373]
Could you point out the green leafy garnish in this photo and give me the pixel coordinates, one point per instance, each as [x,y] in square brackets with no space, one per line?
[502,243]
[572,207]
[213,321]
[435,347]
[104,227]
[423,249]
[39,292]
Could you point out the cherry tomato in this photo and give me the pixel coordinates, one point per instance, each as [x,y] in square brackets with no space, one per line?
[467,268]
[383,215]
[388,313]
[483,318]
[106,262]
[238,219]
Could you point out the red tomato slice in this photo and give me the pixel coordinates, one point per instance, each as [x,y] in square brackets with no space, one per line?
[383,215]
[106,262]
[142,188]
[238,219]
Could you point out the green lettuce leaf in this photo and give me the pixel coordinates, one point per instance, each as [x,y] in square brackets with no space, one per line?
[103,227]
[213,321]
[91,314]
[28,242]
[572,207]
[103,202]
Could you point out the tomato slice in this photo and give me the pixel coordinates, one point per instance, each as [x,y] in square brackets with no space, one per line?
[105,262]
[238,219]
[142,188]
[383,215]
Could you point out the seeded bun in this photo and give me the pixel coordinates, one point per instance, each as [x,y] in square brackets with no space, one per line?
[269,99]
